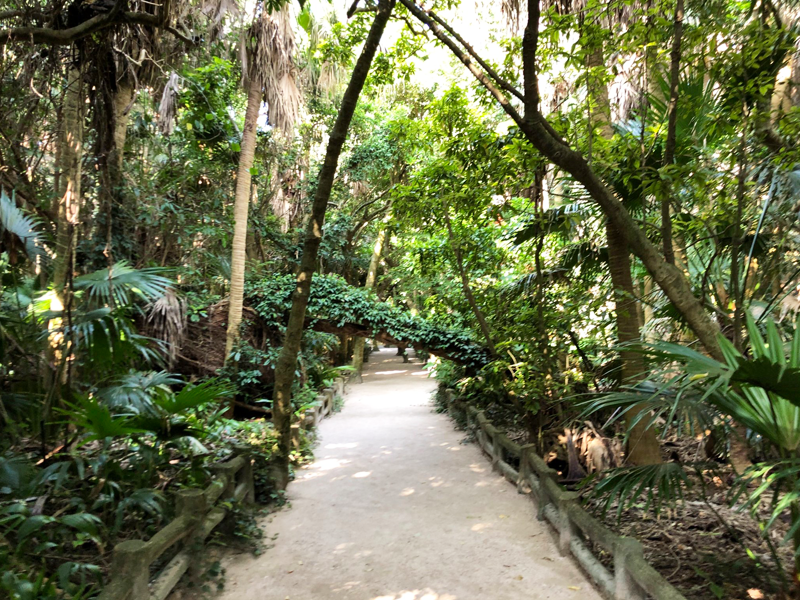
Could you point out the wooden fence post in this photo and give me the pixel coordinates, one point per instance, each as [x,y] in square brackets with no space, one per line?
[498,452]
[525,470]
[222,472]
[246,477]
[625,588]
[568,529]
[192,504]
[130,564]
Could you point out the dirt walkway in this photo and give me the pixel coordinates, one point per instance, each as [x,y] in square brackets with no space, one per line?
[397,508]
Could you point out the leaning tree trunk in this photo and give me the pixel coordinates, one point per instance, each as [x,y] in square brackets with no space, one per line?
[372,274]
[546,140]
[287,361]
[240,209]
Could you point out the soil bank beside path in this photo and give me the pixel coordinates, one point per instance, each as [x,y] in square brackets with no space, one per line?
[396,507]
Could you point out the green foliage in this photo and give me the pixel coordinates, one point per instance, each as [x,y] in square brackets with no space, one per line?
[648,486]
[334,301]
[748,390]
[20,227]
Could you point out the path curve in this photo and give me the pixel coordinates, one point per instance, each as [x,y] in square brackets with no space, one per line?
[396,507]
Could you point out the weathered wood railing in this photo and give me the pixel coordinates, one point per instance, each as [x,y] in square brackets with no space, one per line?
[631,577]
[324,403]
[197,514]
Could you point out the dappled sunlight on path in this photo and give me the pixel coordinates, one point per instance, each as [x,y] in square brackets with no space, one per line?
[396,507]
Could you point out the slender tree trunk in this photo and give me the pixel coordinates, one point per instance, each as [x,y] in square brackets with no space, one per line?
[287,361]
[672,134]
[372,275]
[473,304]
[740,450]
[69,182]
[643,448]
[240,210]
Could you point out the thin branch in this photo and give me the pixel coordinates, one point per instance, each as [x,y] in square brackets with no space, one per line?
[420,14]
[491,72]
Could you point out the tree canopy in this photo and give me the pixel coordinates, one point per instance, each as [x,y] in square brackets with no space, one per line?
[587,211]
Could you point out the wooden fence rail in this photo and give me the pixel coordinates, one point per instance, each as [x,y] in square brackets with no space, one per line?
[197,514]
[631,578]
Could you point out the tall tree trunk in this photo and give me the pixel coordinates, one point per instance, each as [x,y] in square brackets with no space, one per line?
[123,98]
[70,154]
[372,275]
[643,448]
[68,189]
[672,134]
[112,194]
[287,361]
[240,210]
[473,304]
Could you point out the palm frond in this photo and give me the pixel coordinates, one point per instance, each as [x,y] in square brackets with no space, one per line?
[121,283]
[193,396]
[97,420]
[272,54]
[166,320]
[106,338]
[558,220]
[168,107]
[137,392]
[16,223]
[658,486]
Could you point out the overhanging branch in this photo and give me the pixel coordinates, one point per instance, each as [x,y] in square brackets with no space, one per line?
[64,37]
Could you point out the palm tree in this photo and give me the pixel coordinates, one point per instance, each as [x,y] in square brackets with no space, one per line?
[270,75]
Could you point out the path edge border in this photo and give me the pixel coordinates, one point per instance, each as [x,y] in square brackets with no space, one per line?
[632,577]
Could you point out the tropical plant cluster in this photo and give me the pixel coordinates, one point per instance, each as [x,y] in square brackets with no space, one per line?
[587,211]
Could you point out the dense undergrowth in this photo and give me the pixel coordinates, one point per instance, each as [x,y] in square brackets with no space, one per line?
[601,232]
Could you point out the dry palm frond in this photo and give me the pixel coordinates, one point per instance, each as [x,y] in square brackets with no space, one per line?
[167,109]
[625,90]
[512,11]
[166,321]
[330,77]
[273,63]
[216,11]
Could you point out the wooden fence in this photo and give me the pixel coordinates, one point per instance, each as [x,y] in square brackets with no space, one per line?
[631,578]
[197,514]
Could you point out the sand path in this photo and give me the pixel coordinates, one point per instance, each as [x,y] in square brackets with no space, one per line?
[396,507]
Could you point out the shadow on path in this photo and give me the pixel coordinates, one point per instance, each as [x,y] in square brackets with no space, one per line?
[395,507]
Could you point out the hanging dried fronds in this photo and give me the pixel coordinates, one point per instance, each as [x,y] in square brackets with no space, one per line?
[330,77]
[216,11]
[512,11]
[166,321]
[167,109]
[272,61]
